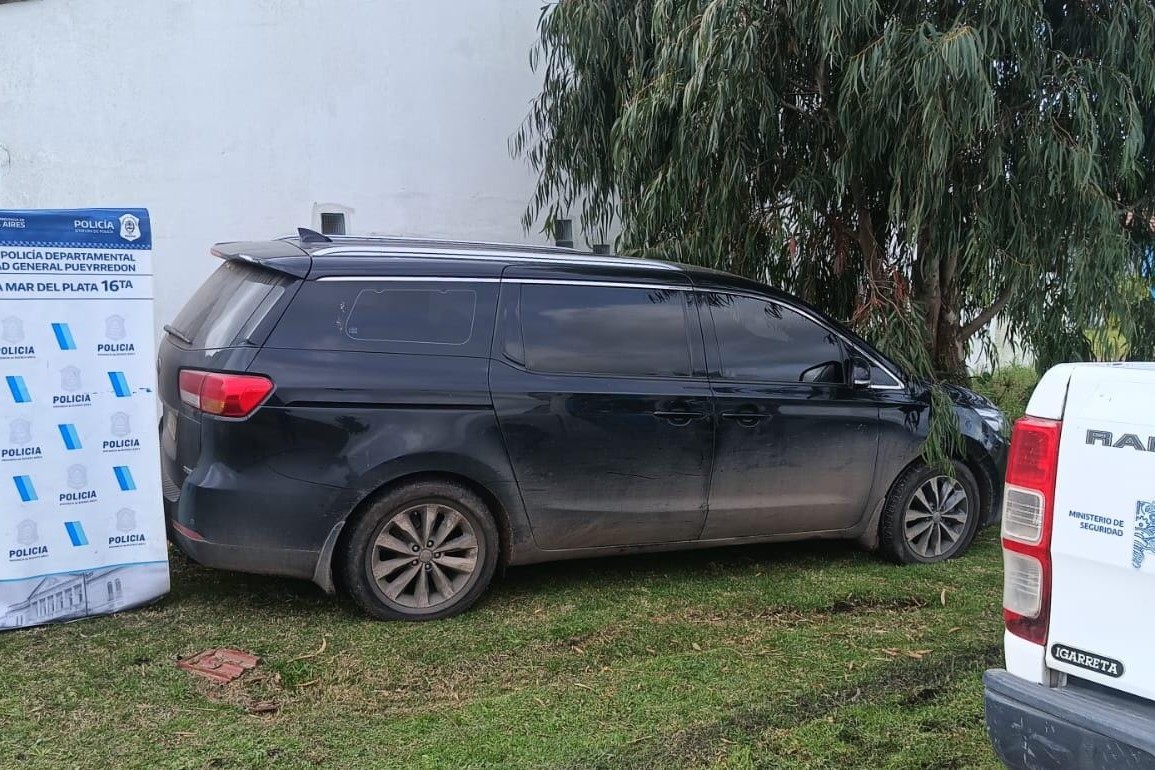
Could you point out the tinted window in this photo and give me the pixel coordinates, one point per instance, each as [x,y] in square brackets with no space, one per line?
[761,340]
[403,314]
[428,318]
[229,305]
[605,330]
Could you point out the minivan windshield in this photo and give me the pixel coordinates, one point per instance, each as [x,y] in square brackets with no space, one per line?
[229,306]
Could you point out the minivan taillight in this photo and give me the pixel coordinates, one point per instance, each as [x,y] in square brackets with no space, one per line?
[224,395]
[1028,510]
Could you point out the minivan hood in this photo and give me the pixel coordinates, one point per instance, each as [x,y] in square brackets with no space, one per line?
[968,403]
[967,397]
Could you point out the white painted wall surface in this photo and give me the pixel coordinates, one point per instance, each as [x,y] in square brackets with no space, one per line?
[1005,353]
[233,119]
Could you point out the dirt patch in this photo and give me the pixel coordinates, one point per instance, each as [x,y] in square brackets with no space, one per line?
[260,693]
[924,679]
[867,603]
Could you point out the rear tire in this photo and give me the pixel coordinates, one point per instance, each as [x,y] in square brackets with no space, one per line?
[928,516]
[424,551]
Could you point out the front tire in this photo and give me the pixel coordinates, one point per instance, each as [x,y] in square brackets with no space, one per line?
[929,516]
[424,551]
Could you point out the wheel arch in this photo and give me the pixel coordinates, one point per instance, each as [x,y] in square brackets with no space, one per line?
[325,574]
[975,457]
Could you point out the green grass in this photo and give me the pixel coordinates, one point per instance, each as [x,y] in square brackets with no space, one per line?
[810,655]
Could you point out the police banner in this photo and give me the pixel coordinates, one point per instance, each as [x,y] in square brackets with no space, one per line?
[81,522]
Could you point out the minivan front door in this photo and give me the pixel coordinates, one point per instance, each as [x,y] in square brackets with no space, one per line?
[605,409]
[796,444]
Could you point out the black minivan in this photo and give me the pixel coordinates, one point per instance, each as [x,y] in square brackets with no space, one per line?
[399,417]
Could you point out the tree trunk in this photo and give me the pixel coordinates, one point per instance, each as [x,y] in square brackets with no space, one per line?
[949,352]
[936,295]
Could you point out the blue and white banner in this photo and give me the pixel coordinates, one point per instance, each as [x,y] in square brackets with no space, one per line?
[81,522]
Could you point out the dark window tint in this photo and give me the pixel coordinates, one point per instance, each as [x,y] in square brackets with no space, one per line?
[605,330]
[509,322]
[421,317]
[761,340]
[229,306]
[406,314]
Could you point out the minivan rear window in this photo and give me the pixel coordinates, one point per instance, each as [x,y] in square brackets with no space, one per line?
[228,307]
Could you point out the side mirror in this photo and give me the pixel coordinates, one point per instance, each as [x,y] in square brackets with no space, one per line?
[828,373]
[859,373]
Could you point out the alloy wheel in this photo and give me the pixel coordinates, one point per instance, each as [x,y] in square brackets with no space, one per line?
[936,517]
[424,556]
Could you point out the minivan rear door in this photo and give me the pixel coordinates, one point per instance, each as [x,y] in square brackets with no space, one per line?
[600,390]
[1103,530]
[220,328]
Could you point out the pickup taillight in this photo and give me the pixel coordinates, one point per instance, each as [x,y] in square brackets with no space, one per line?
[224,395]
[1028,510]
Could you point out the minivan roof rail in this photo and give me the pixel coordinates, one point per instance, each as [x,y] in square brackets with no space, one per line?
[465,251]
[369,245]
[402,240]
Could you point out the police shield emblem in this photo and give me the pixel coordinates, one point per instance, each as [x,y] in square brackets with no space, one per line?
[78,477]
[114,327]
[12,329]
[129,227]
[126,520]
[26,533]
[121,427]
[1144,538]
[70,378]
[19,432]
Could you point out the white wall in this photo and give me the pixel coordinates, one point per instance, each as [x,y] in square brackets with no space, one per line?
[232,119]
[1005,354]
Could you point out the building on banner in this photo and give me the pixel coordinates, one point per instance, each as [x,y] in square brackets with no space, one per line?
[72,596]
[83,531]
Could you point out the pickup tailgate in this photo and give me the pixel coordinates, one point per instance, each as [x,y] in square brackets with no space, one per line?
[1103,533]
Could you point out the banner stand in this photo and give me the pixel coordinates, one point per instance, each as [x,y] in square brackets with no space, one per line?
[82,527]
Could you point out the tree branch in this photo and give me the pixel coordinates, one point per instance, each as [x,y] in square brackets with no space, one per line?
[983,318]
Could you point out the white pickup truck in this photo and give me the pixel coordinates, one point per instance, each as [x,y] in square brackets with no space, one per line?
[1079,558]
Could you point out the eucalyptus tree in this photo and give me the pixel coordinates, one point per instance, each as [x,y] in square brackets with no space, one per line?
[917,167]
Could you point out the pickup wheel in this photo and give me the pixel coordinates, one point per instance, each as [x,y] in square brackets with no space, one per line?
[424,551]
[930,516]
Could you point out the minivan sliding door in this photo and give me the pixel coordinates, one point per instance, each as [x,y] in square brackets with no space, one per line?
[605,409]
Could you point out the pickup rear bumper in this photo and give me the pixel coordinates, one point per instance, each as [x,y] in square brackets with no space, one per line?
[1078,726]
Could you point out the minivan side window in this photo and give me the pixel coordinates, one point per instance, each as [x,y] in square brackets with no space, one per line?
[767,341]
[435,316]
[410,315]
[626,332]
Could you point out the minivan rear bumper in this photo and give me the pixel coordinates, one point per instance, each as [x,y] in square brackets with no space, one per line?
[269,526]
[1081,725]
[264,561]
